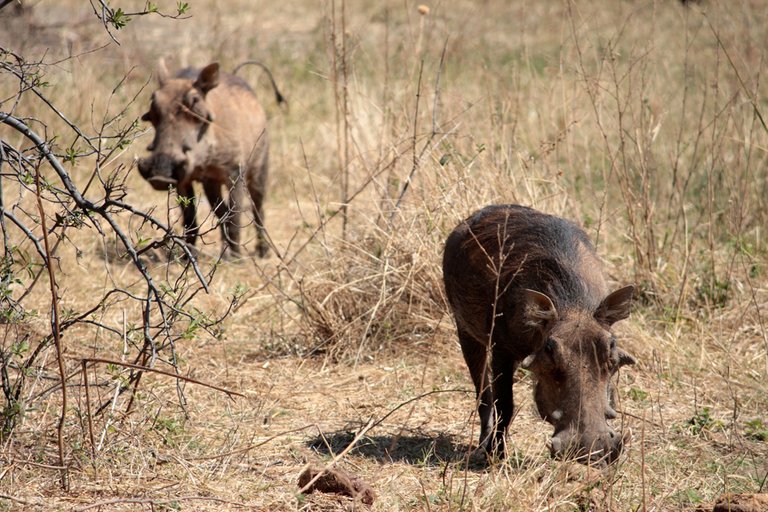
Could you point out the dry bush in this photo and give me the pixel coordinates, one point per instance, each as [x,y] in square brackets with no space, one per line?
[391,295]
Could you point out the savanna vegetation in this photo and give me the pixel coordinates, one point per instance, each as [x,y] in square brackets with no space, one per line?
[134,378]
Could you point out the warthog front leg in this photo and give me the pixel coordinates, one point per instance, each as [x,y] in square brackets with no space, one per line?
[189,213]
[476,357]
[224,214]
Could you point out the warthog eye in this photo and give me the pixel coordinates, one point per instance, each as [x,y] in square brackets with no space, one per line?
[192,102]
[559,376]
[553,365]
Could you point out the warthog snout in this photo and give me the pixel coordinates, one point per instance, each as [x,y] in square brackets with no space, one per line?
[162,171]
[600,448]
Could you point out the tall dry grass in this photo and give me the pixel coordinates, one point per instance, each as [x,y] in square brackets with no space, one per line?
[642,121]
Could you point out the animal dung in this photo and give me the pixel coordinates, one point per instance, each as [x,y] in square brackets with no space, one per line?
[742,503]
[336,481]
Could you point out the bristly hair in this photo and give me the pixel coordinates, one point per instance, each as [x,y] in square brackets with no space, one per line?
[514,237]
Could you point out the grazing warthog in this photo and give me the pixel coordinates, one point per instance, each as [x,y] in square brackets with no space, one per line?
[529,288]
[209,127]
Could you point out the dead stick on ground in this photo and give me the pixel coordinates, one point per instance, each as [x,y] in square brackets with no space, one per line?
[26,462]
[250,447]
[162,372]
[19,500]
[643,419]
[418,397]
[152,502]
[368,426]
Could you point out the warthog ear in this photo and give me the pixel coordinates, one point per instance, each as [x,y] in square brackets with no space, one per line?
[615,306]
[538,310]
[209,78]
[625,358]
[161,72]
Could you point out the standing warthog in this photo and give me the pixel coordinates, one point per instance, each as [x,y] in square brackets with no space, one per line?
[530,287]
[209,127]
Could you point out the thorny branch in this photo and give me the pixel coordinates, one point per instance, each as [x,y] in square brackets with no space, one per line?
[31,236]
[56,331]
[115,18]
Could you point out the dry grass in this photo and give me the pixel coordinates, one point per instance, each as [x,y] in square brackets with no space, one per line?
[641,120]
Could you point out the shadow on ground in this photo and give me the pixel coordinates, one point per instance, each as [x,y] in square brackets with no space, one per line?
[412,448]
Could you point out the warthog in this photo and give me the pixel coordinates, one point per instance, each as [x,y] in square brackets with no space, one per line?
[529,288]
[209,127]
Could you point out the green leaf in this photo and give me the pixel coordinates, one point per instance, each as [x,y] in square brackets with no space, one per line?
[119,19]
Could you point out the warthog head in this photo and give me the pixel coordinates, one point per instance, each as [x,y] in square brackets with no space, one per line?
[573,368]
[181,117]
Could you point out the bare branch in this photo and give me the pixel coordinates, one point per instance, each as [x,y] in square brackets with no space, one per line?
[161,372]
